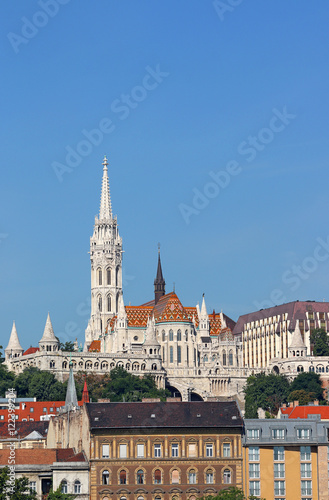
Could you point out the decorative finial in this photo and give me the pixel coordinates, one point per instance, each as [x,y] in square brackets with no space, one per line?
[174,287]
[105,162]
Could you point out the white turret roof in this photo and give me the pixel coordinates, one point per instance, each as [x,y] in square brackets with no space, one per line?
[150,335]
[203,313]
[13,344]
[297,339]
[121,308]
[105,211]
[48,334]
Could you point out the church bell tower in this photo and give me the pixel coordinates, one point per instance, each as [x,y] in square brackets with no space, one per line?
[106,265]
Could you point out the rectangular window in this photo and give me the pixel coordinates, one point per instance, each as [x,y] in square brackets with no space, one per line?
[253,433]
[105,451]
[279,488]
[179,354]
[32,409]
[278,433]
[33,486]
[44,410]
[278,452]
[192,477]
[254,471]
[209,450]
[140,451]
[254,488]
[305,453]
[279,471]
[226,450]
[303,433]
[192,450]
[306,470]
[171,354]
[306,487]
[157,450]
[174,450]
[254,453]
[123,450]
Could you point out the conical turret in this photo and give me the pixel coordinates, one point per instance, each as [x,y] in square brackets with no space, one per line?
[48,340]
[71,400]
[14,348]
[85,393]
[204,318]
[297,344]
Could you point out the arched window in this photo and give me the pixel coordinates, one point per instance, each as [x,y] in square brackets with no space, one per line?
[100,276]
[230,358]
[77,486]
[109,303]
[108,275]
[179,354]
[100,303]
[157,476]
[64,486]
[227,479]
[117,276]
[186,335]
[192,476]
[105,477]
[140,476]
[171,335]
[175,477]
[171,354]
[179,335]
[311,369]
[205,358]
[224,358]
[209,477]
[163,335]
[123,477]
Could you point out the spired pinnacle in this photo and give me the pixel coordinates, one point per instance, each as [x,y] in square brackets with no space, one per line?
[105,211]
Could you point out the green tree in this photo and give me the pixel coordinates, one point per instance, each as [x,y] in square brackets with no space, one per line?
[320,341]
[303,397]
[229,494]
[67,347]
[7,379]
[20,490]
[43,385]
[265,391]
[310,382]
[58,495]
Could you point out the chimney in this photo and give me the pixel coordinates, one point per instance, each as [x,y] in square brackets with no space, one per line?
[284,406]
[316,402]
[296,403]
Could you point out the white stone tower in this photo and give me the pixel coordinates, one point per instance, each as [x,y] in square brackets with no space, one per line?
[106,265]
[14,348]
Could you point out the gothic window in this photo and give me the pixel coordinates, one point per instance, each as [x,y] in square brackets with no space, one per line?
[117,276]
[230,358]
[100,304]
[179,354]
[205,359]
[171,335]
[171,354]
[109,303]
[224,358]
[179,335]
[186,335]
[187,360]
[105,477]
[163,335]
[100,280]
[192,477]
[108,275]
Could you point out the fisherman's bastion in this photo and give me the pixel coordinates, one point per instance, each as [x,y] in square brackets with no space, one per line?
[197,354]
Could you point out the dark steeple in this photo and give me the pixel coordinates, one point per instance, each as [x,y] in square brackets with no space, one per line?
[159,282]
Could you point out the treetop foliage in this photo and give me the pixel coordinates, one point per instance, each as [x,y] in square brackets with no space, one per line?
[320,341]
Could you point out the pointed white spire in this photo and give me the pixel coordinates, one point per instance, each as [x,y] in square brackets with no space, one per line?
[105,211]
[198,310]
[203,314]
[121,308]
[48,333]
[14,344]
[150,334]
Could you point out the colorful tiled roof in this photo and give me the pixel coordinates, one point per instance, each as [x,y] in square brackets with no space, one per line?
[95,346]
[169,309]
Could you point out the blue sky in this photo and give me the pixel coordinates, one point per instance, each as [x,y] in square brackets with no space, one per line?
[214,118]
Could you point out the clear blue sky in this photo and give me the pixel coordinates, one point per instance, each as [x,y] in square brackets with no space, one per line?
[242,90]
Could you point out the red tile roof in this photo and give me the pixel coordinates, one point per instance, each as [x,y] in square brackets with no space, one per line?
[95,346]
[42,456]
[24,429]
[304,411]
[24,410]
[31,350]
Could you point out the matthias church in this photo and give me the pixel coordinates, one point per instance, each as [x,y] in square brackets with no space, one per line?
[197,354]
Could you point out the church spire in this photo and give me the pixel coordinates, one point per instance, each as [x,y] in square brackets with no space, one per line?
[14,347]
[71,399]
[159,282]
[85,393]
[105,211]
